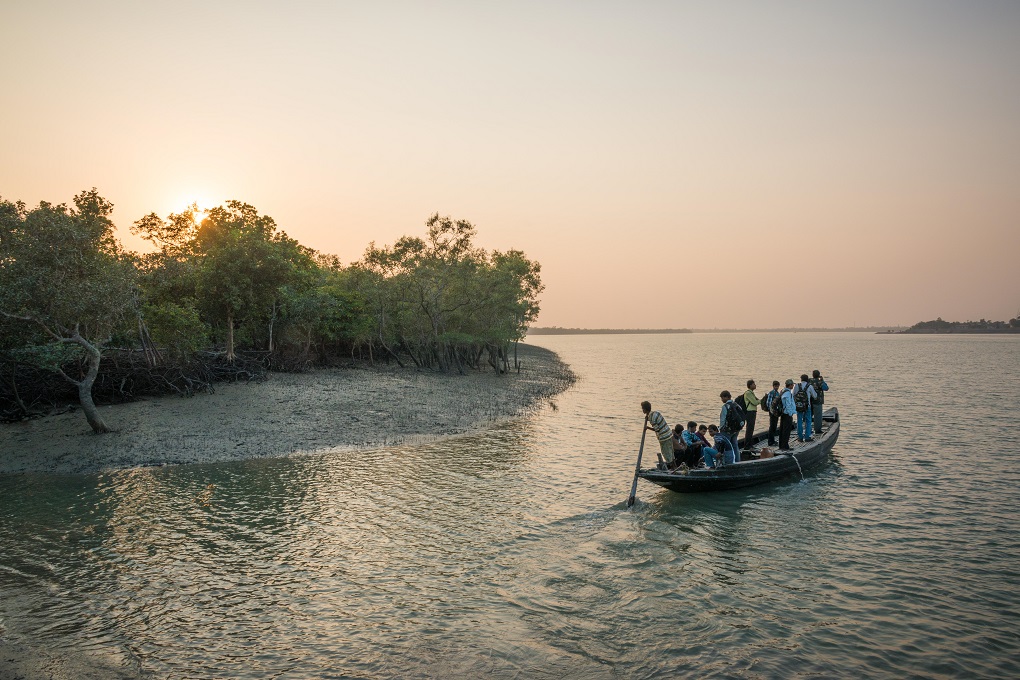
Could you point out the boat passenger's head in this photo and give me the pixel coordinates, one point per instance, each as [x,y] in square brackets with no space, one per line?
[789,382]
[646,406]
[725,395]
[751,384]
[816,373]
[775,383]
[803,378]
[691,425]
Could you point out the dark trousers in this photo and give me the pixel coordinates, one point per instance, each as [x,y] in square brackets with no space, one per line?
[785,428]
[749,432]
[773,429]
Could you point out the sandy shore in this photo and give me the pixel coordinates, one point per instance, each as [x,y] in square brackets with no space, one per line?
[286,414]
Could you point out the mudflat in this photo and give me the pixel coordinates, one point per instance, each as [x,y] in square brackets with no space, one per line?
[287,414]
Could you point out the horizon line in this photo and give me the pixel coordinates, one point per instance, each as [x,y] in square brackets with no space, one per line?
[552,330]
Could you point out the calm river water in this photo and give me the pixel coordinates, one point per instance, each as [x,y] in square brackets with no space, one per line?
[513,554]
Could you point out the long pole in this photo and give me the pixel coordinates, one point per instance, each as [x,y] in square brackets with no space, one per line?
[637,466]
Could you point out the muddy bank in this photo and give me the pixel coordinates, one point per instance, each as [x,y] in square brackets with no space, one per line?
[287,414]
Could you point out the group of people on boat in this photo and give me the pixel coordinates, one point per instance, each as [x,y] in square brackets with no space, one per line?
[690,446]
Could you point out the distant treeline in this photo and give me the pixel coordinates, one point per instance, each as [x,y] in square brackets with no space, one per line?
[229,294]
[980,326]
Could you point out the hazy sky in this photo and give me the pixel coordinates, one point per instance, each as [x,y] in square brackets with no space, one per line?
[662,160]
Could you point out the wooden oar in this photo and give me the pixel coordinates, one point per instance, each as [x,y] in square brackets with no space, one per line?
[637,467]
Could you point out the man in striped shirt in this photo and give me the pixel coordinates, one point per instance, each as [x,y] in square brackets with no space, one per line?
[657,423]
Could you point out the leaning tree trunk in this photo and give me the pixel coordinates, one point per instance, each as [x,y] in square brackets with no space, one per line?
[85,385]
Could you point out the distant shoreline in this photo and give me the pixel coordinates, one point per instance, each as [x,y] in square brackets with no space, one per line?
[990,331]
[982,327]
[555,330]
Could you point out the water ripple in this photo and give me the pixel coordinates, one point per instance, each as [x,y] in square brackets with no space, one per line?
[512,553]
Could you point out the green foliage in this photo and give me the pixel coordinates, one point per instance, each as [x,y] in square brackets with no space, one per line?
[244,264]
[63,270]
[177,327]
[50,357]
[235,279]
[445,300]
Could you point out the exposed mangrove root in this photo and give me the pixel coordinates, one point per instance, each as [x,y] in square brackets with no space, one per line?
[28,391]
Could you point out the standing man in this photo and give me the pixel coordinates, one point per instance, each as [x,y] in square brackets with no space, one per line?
[657,423]
[821,388]
[731,421]
[750,413]
[803,395]
[773,414]
[786,419]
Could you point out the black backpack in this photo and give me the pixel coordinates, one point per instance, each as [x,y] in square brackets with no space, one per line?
[741,404]
[800,398]
[817,384]
[734,418]
[776,405]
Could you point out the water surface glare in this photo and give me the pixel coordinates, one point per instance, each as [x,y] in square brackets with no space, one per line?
[512,554]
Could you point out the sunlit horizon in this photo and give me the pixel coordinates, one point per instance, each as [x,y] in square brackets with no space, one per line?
[662,161]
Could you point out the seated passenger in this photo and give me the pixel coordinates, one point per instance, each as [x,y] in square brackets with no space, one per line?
[702,432]
[682,451]
[699,444]
[723,444]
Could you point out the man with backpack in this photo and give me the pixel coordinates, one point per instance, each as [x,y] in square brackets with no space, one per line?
[803,395]
[774,412]
[818,382]
[731,421]
[787,409]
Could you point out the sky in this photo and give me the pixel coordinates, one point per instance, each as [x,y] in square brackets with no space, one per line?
[669,164]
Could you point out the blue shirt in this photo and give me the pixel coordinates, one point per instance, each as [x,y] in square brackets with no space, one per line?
[789,408]
[690,438]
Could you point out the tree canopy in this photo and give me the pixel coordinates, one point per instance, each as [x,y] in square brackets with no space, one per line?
[63,272]
[233,282]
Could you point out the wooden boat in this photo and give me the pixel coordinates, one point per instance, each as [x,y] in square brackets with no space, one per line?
[803,457]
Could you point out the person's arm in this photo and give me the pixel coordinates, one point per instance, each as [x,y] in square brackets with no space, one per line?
[722,418]
[751,400]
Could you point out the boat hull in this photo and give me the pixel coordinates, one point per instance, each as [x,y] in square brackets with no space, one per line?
[807,455]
